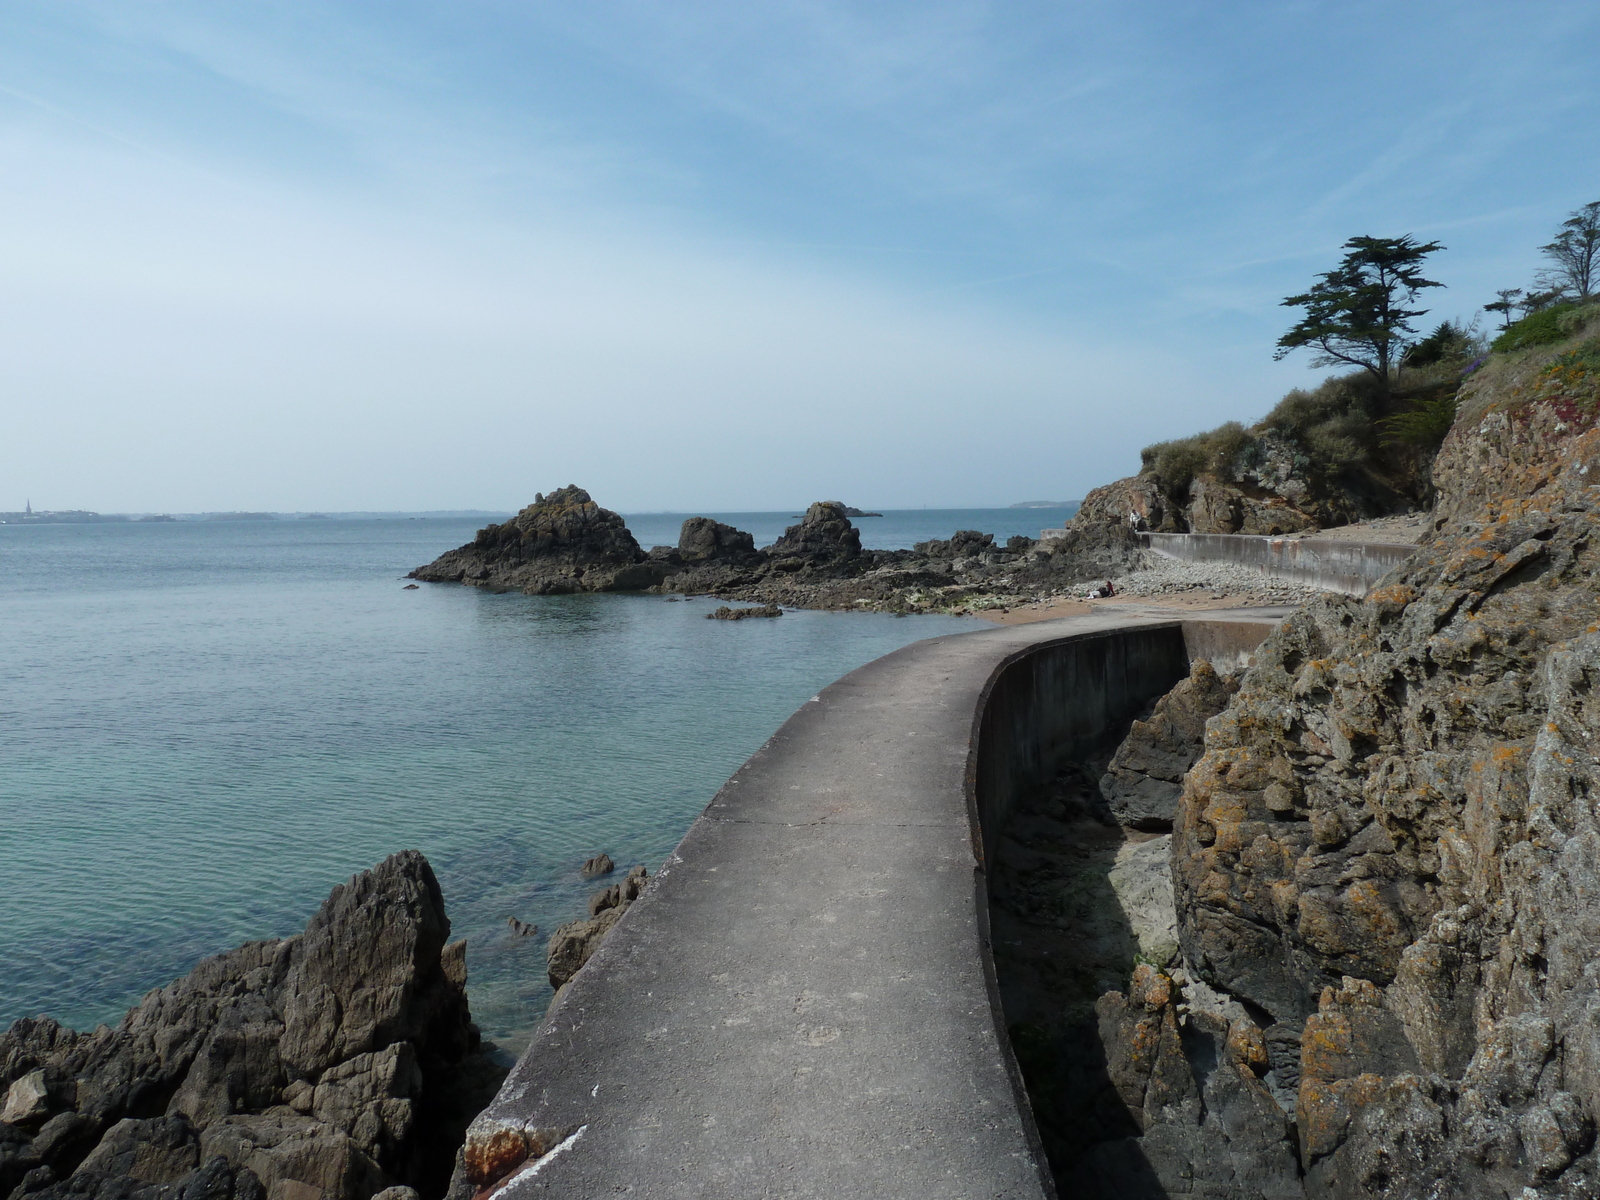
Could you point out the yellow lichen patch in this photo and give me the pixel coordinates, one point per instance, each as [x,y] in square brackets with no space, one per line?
[1399,594]
[1324,1110]
[1362,899]
[1325,1046]
[1285,901]
[1247,1045]
[1320,928]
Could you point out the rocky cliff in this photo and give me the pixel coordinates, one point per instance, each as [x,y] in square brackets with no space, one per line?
[326,1066]
[1343,452]
[1387,863]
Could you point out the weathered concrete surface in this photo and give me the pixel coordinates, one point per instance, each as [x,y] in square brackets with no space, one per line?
[802,1005]
[1337,566]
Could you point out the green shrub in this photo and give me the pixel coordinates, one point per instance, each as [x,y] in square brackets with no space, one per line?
[1543,327]
[1424,425]
[1334,425]
[1448,343]
[1177,462]
[1339,442]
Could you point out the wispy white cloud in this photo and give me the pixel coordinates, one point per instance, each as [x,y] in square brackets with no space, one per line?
[624,235]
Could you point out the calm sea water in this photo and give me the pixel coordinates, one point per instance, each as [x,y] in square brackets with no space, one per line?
[205,726]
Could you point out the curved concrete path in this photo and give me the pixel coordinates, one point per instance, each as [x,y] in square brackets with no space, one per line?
[801,1004]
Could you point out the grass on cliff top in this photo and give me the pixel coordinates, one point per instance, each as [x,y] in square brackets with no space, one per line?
[1531,367]
[1546,327]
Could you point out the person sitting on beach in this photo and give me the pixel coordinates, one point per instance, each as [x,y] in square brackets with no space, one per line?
[1108,590]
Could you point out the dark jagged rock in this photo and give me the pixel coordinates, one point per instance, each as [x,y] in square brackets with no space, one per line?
[703,540]
[600,864]
[824,537]
[1145,776]
[964,543]
[563,542]
[1215,1131]
[157,1150]
[321,1062]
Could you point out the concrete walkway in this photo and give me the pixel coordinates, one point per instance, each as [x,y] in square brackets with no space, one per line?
[801,1005]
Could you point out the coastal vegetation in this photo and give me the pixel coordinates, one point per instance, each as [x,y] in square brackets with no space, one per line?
[1356,314]
[1362,443]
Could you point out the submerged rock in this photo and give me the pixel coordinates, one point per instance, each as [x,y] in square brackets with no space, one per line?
[574,943]
[328,1062]
[726,613]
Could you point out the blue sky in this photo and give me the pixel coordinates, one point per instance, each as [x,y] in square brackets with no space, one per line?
[721,256]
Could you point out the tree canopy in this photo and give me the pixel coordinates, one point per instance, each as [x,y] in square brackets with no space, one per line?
[1357,313]
[1576,255]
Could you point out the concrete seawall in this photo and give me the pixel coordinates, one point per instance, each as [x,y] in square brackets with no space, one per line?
[804,1002]
[1338,566]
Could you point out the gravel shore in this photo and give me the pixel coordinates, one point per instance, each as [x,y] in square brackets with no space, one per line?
[1169,577]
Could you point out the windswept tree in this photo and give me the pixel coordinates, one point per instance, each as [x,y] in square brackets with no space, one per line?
[1576,255]
[1506,306]
[1357,313]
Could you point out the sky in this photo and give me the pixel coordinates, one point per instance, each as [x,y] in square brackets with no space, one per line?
[722,256]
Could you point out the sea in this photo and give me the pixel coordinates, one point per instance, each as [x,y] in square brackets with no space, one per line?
[206,725]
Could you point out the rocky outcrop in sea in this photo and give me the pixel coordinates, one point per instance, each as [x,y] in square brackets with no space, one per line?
[332,1065]
[564,542]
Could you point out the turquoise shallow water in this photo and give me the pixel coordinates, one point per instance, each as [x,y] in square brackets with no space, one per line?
[204,727]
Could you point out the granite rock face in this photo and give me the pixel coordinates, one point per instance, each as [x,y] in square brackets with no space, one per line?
[1387,862]
[563,542]
[1265,501]
[1145,776]
[1217,507]
[1136,502]
[326,1065]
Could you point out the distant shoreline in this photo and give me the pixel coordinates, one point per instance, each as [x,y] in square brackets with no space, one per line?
[84,517]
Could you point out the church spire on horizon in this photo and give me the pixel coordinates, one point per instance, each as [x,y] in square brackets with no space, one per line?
[28,507]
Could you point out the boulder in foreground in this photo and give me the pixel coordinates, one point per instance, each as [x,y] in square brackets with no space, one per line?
[326,1066]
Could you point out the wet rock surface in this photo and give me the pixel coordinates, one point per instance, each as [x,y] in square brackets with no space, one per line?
[725,613]
[327,1065]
